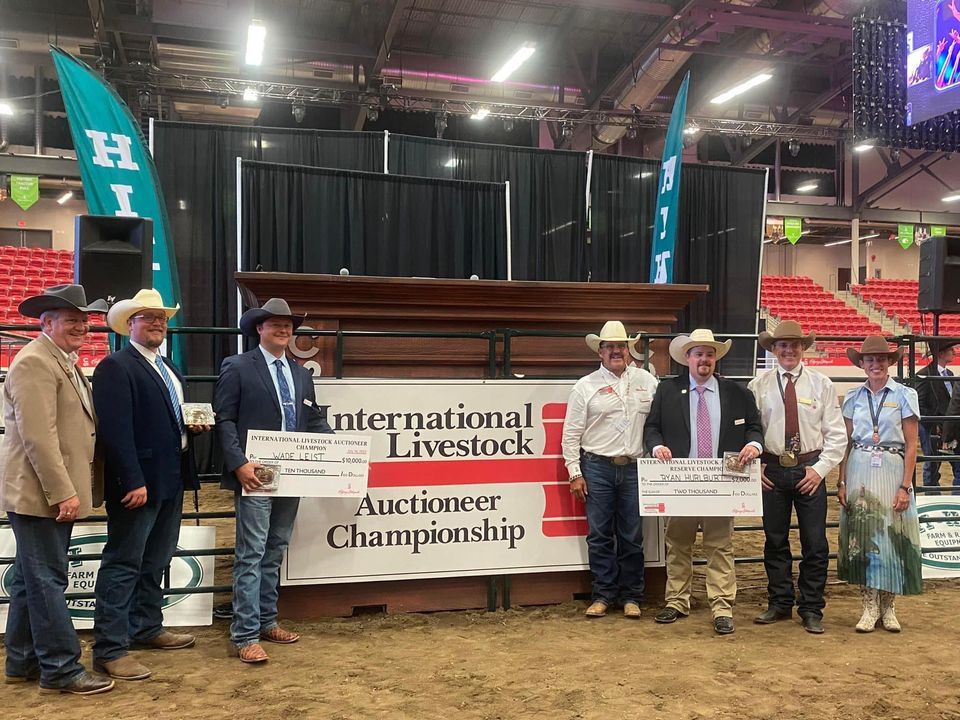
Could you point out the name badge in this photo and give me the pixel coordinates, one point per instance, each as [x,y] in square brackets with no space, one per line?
[805,401]
[307,402]
[876,458]
[739,421]
[891,404]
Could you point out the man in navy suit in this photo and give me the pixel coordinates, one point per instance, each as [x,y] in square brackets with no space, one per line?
[261,390]
[138,394]
[700,415]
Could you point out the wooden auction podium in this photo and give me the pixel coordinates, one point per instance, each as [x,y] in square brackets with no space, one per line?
[424,305]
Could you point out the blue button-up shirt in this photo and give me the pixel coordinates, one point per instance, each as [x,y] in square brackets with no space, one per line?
[271,364]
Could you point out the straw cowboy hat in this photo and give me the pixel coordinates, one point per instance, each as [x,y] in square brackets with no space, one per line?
[612,331]
[637,355]
[787,330]
[274,307]
[874,345]
[146,299]
[60,297]
[681,344]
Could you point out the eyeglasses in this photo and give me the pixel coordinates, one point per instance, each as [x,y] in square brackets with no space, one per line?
[613,346]
[151,319]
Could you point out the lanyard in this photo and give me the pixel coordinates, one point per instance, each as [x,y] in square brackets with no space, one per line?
[780,384]
[875,414]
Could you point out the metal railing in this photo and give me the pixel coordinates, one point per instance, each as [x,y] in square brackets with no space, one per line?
[505,337]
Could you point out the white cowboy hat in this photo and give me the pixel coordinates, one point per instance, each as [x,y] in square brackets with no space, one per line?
[612,331]
[637,355]
[681,344]
[122,311]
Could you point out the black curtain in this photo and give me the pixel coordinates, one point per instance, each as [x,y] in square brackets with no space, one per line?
[547,197]
[319,220]
[719,231]
[197,166]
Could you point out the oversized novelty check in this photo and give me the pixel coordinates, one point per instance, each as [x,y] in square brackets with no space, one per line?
[699,487]
[309,464]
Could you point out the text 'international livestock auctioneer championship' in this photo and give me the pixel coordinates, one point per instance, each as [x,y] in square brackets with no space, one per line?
[466,478]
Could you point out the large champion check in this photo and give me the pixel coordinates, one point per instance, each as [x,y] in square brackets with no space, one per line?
[309,464]
[699,487]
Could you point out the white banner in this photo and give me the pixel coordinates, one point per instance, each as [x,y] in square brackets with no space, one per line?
[310,464]
[690,487]
[939,534]
[185,572]
[466,478]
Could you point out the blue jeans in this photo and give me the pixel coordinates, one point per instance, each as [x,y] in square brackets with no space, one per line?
[40,634]
[264,526]
[129,588]
[931,468]
[615,538]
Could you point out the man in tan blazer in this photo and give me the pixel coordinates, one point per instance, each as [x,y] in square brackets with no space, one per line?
[48,481]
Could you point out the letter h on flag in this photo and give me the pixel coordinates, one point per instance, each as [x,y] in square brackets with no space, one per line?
[119,177]
[663,247]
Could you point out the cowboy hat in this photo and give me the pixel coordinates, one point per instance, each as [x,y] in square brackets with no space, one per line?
[787,330]
[637,355]
[874,345]
[58,297]
[146,299]
[274,307]
[612,331]
[935,347]
[681,344]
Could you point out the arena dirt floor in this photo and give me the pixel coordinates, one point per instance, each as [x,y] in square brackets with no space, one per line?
[550,662]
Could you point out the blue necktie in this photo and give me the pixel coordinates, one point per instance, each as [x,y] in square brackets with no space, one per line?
[286,400]
[947,372]
[171,390]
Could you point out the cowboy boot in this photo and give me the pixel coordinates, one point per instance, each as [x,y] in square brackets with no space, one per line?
[888,617]
[871,610]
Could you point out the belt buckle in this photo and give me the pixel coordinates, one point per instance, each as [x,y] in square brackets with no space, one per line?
[621,460]
[788,459]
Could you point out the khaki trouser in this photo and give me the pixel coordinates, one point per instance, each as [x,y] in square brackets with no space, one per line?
[717,546]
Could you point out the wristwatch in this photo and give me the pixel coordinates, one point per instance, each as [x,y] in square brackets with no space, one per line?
[907,489]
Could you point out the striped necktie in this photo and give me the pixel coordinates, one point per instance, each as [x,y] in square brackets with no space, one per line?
[704,435]
[171,390]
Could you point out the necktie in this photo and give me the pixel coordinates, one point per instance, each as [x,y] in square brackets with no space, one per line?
[948,373]
[286,399]
[704,435]
[791,422]
[171,390]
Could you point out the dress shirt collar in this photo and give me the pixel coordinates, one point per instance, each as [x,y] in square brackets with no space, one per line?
[609,377]
[940,369]
[710,384]
[891,384]
[150,355]
[71,358]
[796,372]
[270,358]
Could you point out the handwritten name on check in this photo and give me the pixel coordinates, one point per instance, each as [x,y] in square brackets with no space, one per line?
[692,487]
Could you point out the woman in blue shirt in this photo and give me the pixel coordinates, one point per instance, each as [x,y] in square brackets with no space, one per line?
[879,532]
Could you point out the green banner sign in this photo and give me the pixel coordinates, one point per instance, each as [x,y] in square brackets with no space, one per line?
[24,190]
[905,235]
[793,229]
[938,230]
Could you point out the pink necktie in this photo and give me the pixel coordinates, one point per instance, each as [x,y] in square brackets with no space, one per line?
[704,436]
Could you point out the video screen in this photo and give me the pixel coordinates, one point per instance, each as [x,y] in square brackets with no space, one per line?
[933,58]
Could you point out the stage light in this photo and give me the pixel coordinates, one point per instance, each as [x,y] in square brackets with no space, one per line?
[480,114]
[516,60]
[632,132]
[567,130]
[951,198]
[223,101]
[256,39]
[508,124]
[373,112]
[143,99]
[794,147]
[299,110]
[65,197]
[808,187]
[741,88]
[440,124]
[690,130]
[250,95]
[863,146]
[6,108]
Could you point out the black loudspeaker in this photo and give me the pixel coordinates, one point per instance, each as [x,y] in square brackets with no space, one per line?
[939,275]
[113,256]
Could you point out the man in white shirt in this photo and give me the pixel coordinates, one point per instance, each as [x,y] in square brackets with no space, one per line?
[804,439]
[602,439]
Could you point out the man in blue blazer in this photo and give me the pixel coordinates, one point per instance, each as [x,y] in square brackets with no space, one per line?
[138,395]
[261,390]
[700,415]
